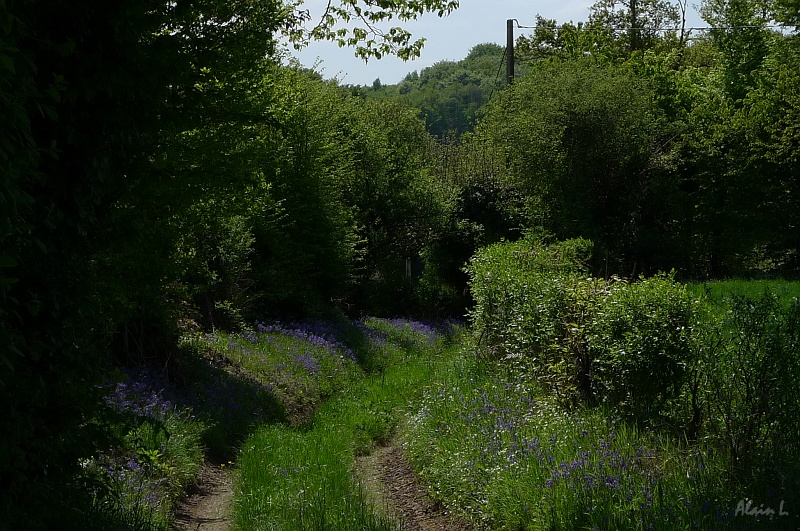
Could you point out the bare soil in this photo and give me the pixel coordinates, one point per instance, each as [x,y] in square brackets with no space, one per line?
[390,483]
[207,505]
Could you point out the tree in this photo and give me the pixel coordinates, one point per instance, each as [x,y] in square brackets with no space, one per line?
[638,24]
[768,167]
[581,143]
[123,119]
[788,12]
[102,95]
[739,33]
[567,41]
[368,37]
[393,197]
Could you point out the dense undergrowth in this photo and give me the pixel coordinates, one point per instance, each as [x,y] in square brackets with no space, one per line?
[297,398]
[508,456]
[609,404]
[686,420]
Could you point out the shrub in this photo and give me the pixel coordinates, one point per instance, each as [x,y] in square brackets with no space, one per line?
[624,343]
[531,303]
[641,345]
[751,368]
[517,288]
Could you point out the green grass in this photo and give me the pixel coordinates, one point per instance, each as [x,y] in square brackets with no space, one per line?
[297,406]
[494,446]
[290,479]
[506,455]
[297,372]
[717,291]
[301,477]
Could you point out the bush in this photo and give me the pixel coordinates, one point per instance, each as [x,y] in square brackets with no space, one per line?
[517,288]
[531,303]
[626,344]
[751,367]
[641,345]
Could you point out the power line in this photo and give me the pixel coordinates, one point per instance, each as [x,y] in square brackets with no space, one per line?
[499,69]
[693,28]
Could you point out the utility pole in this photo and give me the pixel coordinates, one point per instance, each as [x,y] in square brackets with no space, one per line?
[510,50]
[634,31]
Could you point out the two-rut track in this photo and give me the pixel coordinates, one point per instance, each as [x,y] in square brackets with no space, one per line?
[387,477]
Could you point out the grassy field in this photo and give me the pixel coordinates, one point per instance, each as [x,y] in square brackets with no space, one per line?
[300,477]
[718,290]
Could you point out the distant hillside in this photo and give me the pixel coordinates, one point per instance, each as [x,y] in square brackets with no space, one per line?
[449,94]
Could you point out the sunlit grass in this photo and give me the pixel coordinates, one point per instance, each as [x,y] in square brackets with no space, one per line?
[300,480]
[291,367]
[302,477]
[719,290]
[504,454]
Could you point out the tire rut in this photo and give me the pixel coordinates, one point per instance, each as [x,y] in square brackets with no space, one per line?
[207,505]
[390,483]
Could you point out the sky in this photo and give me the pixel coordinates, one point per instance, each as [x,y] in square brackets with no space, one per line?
[448,39]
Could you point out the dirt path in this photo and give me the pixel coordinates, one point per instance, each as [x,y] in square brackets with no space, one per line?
[207,505]
[386,474]
[390,483]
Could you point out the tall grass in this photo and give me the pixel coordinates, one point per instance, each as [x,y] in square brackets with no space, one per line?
[719,290]
[291,479]
[230,383]
[502,452]
[301,477]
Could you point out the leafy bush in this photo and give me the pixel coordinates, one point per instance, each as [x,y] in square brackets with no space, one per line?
[624,343]
[505,277]
[531,303]
[641,345]
[751,367]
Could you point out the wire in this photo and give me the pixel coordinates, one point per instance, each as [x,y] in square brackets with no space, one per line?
[499,69]
[694,28]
